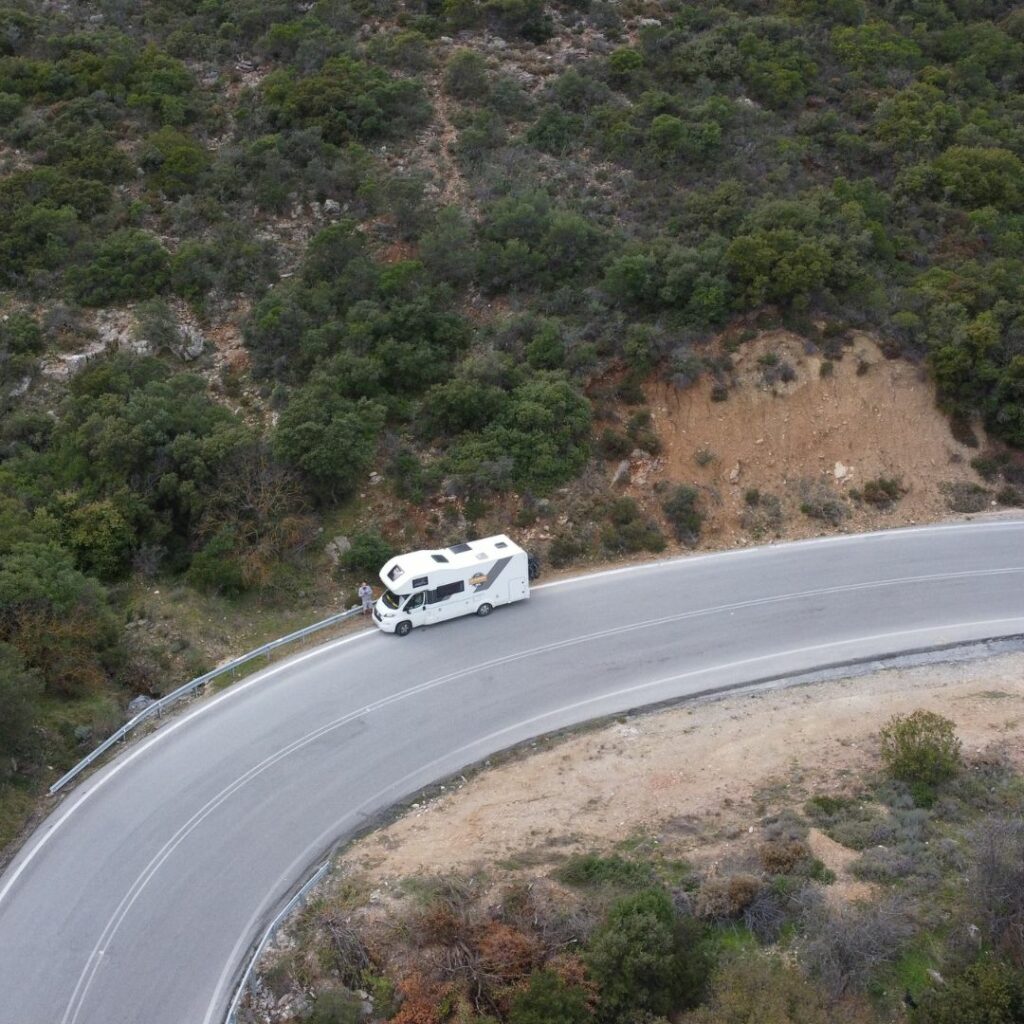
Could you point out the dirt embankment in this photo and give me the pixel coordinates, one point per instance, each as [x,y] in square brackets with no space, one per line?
[800,429]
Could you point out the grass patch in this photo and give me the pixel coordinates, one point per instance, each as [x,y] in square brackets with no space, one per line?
[589,869]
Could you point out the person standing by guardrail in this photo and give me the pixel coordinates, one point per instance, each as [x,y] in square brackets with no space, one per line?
[365,593]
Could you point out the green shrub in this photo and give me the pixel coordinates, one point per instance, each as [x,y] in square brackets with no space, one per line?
[20,335]
[328,437]
[336,1006]
[347,100]
[921,748]
[682,509]
[645,960]
[129,264]
[465,76]
[883,492]
[215,568]
[761,989]
[987,992]
[20,691]
[550,1000]
[589,869]
[564,548]
[174,162]
[368,553]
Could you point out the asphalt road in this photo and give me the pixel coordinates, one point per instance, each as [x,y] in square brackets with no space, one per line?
[138,898]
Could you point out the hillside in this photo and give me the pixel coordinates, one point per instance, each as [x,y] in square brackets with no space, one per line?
[275,273]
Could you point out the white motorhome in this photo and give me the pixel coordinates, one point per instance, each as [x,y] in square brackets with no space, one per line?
[422,587]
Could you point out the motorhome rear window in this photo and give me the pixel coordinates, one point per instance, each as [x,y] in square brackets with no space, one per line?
[420,581]
[439,558]
[444,592]
[395,571]
[457,549]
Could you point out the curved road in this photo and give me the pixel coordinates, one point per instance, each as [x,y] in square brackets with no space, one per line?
[138,898]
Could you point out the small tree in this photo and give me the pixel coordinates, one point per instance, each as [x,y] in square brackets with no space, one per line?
[920,749]
[643,959]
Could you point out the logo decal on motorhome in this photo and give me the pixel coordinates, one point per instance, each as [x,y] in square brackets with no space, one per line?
[481,582]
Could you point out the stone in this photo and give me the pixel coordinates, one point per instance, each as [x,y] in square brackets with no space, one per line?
[375,479]
[191,344]
[332,207]
[337,547]
[621,476]
[139,704]
[841,472]
[734,473]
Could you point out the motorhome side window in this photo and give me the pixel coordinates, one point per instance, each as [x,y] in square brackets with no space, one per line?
[443,593]
[416,601]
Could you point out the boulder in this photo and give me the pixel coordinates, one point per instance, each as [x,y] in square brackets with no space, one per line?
[337,547]
[191,344]
[139,704]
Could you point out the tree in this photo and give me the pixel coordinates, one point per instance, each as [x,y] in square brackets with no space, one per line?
[330,438]
[643,959]
[976,176]
[56,617]
[129,264]
[174,162]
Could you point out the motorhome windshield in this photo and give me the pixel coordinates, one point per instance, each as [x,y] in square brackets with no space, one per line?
[391,600]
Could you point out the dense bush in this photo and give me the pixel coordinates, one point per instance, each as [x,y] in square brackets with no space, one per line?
[682,510]
[549,1000]
[130,264]
[987,992]
[331,438]
[369,551]
[764,989]
[20,689]
[645,959]
[346,100]
[590,869]
[920,749]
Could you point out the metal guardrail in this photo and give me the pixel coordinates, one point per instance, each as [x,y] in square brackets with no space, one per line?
[158,707]
[268,935]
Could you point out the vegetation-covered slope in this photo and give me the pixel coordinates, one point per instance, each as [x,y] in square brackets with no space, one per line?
[436,226]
